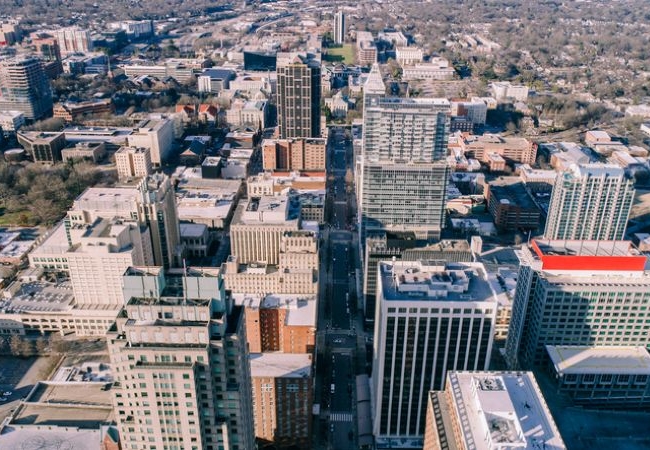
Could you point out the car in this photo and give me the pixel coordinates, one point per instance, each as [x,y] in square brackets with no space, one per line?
[7,394]
[3,399]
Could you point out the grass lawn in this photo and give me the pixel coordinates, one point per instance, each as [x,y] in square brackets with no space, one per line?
[11,218]
[344,54]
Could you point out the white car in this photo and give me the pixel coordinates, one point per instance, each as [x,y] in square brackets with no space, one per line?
[7,393]
[3,399]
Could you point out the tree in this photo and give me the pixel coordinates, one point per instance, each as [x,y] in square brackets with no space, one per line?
[16,345]
[41,345]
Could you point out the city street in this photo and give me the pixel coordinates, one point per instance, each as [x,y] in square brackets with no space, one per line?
[338,323]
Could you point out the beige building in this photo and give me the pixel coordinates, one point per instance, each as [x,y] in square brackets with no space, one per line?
[180,364]
[436,69]
[282,399]
[157,135]
[260,278]
[512,149]
[248,113]
[258,225]
[133,162]
[294,154]
[408,55]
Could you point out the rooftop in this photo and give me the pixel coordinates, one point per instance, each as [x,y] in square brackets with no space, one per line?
[38,296]
[502,410]
[511,190]
[420,281]
[280,365]
[599,360]
[597,170]
[301,309]
[32,438]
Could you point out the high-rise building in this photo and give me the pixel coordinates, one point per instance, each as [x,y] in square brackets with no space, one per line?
[577,293]
[590,202]
[299,94]
[25,87]
[374,87]
[182,378]
[47,46]
[157,135]
[133,162]
[403,180]
[339,27]
[429,319]
[73,40]
[490,411]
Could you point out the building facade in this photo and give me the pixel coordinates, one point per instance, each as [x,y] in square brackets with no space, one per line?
[590,202]
[73,40]
[133,162]
[428,320]
[577,293]
[294,154]
[24,87]
[182,378]
[299,91]
[339,27]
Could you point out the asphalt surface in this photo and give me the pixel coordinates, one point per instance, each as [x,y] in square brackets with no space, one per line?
[337,354]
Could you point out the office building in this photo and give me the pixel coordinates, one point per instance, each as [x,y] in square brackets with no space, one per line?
[437,69]
[47,48]
[157,135]
[24,87]
[511,206]
[182,378]
[366,48]
[43,146]
[294,154]
[299,94]
[133,162]
[504,90]
[282,399]
[84,151]
[11,121]
[590,202]
[602,377]
[429,319]
[10,32]
[253,114]
[73,112]
[214,80]
[512,149]
[73,40]
[406,56]
[490,411]
[339,27]
[591,293]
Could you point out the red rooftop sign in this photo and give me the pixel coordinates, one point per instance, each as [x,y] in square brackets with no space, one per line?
[629,262]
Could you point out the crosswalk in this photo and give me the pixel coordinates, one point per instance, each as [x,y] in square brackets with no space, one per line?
[340,417]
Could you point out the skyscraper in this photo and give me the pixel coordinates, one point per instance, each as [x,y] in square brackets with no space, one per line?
[339,27]
[577,293]
[428,320]
[590,202]
[299,97]
[182,378]
[24,87]
[404,172]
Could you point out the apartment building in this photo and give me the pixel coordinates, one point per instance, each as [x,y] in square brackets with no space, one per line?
[73,40]
[577,293]
[182,378]
[157,135]
[24,87]
[298,97]
[133,162]
[294,154]
[519,150]
[339,27]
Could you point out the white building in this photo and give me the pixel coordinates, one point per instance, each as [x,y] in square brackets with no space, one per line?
[157,135]
[474,110]
[504,90]
[248,113]
[407,56]
[428,320]
[11,121]
[73,40]
[435,69]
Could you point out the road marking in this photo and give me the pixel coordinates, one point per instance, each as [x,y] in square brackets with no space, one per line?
[340,417]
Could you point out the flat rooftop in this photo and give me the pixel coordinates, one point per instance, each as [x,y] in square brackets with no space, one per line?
[585,248]
[599,360]
[39,296]
[503,409]
[280,365]
[301,309]
[33,438]
[420,281]
[78,393]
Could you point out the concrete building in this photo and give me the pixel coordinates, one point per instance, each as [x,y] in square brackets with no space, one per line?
[24,87]
[590,202]
[537,180]
[429,319]
[84,151]
[339,28]
[474,110]
[406,56]
[602,377]
[510,205]
[437,69]
[282,399]
[196,239]
[299,91]
[73,40]
[134,29]
[490,411]
[294,154]
[214,80]
[258,225]
[42,146]
[133,162]
[11,121]
[251,113]
[374,87]
[512,149]
[182,375]
[577,293]
[366,48]
[158,136]
[504,90]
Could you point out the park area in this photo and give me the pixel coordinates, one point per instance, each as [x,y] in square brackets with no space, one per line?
[342,54]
